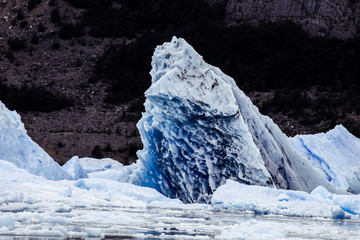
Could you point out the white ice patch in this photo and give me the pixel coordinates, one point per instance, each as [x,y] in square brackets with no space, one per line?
[17,147]
[74,168]
[336,154]
[262,200]
[91,165]
[254,229]
[94,233]
[7,221]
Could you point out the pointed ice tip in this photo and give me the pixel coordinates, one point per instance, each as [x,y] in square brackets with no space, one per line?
[340,127]
[175,41]
[175,54]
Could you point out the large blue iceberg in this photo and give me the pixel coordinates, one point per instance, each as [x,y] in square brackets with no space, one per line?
[200,129]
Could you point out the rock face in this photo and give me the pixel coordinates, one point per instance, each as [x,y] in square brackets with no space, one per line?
[200,129]
[333,18]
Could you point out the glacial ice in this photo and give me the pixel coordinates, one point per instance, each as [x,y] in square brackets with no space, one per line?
[17,147]
[74,168]
[200,129]
[336,154]
[263,200]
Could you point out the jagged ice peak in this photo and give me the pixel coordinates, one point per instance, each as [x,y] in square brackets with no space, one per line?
[200,129]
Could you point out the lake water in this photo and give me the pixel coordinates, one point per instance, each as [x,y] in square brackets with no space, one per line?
[191,222]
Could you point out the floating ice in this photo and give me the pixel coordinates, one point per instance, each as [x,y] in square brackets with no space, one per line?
[74,168]
[106,208]
[17,147]
[94,233]
[7,221]
[253,229]
[336,154]
[262,200]
[200,129]
[60,229]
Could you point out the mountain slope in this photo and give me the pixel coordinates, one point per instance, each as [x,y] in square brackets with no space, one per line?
[334,18]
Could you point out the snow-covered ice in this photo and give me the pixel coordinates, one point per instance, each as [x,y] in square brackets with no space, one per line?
[336,154]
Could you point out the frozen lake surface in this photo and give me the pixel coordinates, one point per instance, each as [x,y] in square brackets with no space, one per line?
[32,207]
[190,222]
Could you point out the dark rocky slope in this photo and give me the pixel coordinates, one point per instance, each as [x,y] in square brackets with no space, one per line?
[76,70]
[332,18]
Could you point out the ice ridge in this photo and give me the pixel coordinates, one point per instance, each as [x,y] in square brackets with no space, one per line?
[17,147]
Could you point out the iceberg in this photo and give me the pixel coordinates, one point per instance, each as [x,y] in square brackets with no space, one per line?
[17,147]
[199,129]
[336,154]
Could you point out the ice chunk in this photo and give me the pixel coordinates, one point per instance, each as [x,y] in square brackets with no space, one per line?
[60,229]
[336,154]
[262,200]
[200,129]
[94,233]
[74,169]
[63,209]
[7,221]
[17,147]
[338,213]
[91,165]
[321,192]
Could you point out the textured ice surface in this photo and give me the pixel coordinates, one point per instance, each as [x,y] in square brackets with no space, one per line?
[335,153]
[17,147]
[193,134]
[200,129]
